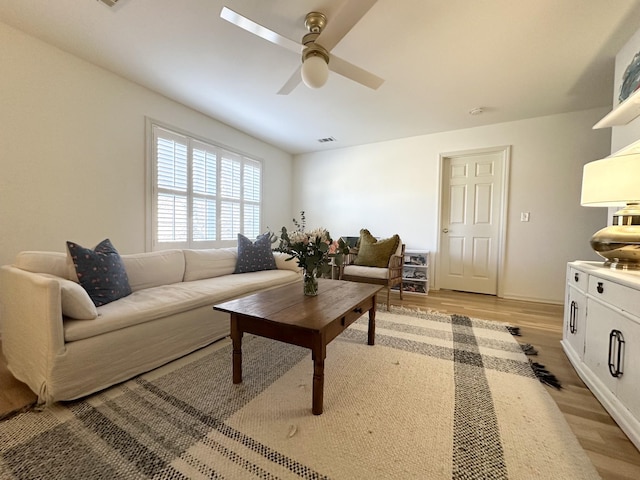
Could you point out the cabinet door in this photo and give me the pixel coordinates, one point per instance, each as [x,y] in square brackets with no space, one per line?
[602,321]
[628,390]
[575,320]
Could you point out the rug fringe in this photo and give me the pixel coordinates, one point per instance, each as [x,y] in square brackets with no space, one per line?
[544,375]
[528,349]
[515,331]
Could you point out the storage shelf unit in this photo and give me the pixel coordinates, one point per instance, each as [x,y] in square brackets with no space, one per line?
[415,276]
[601,337]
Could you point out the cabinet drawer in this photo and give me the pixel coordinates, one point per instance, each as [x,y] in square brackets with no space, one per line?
[623,297]
[577,278]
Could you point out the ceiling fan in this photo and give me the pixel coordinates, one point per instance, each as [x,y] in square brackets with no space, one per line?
[316,57]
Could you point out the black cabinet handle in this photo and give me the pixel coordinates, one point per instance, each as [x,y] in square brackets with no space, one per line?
[600,287]
[576,277]
[616,351]
[572,316]
[357,310]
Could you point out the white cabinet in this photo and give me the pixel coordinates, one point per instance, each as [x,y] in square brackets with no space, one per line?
[575,315]
[415,275]
[601,337]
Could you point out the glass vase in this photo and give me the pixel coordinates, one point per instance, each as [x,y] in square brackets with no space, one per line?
[310,282]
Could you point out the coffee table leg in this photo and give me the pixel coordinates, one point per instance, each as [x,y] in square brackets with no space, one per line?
[318,354]
[236,339]
[372,323]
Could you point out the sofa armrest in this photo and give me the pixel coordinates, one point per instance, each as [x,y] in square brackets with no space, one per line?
[32,330]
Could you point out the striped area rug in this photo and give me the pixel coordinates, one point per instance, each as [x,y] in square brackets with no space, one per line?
[437,397]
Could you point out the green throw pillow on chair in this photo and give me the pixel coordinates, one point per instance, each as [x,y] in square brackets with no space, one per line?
[375,253]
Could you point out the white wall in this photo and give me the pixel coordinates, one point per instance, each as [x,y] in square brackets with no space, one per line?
[72,151]
[393,187]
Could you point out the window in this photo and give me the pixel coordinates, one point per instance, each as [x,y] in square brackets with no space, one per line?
[201,192]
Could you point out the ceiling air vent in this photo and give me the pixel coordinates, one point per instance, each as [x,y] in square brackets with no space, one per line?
[109,3]
[327,139]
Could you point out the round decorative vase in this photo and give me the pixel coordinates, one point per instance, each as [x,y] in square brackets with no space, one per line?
[310,282]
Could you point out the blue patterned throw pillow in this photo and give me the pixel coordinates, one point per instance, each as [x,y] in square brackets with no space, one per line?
[255,256]
[100,272]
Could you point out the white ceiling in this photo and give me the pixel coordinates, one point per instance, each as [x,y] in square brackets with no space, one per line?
[515,58]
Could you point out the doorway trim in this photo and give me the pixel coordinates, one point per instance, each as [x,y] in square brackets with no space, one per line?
[505,150]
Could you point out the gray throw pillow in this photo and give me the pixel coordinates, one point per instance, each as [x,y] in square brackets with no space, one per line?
[100,271]
[255,256]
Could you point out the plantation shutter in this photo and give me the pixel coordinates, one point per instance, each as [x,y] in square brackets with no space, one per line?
[202,193]
[172,216]
[252,196]
[204,174]
[230,170]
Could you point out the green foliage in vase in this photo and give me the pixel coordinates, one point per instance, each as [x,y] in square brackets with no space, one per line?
[313,249]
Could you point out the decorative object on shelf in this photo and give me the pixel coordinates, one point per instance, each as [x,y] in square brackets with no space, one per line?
[628,107]
[630,78]
[314,251]
[612,182]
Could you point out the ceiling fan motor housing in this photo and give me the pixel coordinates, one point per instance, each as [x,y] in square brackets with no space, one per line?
[315,22]
[312,49]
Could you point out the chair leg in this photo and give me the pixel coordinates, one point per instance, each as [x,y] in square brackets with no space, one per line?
[388,297]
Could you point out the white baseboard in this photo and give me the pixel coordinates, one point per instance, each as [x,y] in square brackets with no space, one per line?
[534,299]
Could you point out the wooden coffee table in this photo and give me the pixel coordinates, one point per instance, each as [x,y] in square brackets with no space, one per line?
[287,315]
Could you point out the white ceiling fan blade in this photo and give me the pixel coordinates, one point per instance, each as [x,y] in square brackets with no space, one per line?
[357,74]
[257,29]
[343,21]
[293,82]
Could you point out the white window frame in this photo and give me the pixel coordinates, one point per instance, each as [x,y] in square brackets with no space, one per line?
[243,198]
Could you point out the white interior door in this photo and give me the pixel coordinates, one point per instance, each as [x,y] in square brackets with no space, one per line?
[471,216]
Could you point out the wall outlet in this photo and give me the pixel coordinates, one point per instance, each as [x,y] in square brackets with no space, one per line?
[524,216]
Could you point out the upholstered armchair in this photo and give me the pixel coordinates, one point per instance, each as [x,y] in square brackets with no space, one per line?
[360,266]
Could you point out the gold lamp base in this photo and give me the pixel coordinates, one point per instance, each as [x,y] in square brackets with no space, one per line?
[619,244]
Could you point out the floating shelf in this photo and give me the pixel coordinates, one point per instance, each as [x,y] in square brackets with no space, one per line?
[623,113]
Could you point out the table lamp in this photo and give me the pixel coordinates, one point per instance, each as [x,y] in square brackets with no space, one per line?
[612,182]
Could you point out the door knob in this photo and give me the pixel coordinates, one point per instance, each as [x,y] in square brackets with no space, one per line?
[445,230]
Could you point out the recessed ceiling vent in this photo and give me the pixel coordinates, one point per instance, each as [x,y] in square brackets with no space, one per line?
[109,3]
[326,139]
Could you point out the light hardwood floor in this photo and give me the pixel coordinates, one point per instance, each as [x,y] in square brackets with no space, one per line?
[610,450]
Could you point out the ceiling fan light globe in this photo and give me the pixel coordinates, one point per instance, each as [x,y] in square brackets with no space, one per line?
[315,71]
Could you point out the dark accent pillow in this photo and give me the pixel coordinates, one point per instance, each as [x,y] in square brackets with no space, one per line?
[255,256]
[373,252]
[100,271]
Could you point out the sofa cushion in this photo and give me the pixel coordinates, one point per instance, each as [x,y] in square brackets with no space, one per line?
[53,263]
[209,263]
[151,269]
[255,256]
[366,272]
[153,303]
[100,272]
[373,252]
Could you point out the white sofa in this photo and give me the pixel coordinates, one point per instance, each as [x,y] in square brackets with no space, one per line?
[52,343]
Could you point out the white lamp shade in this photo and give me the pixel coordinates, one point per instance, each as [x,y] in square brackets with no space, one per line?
[612,181]
[315,71]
